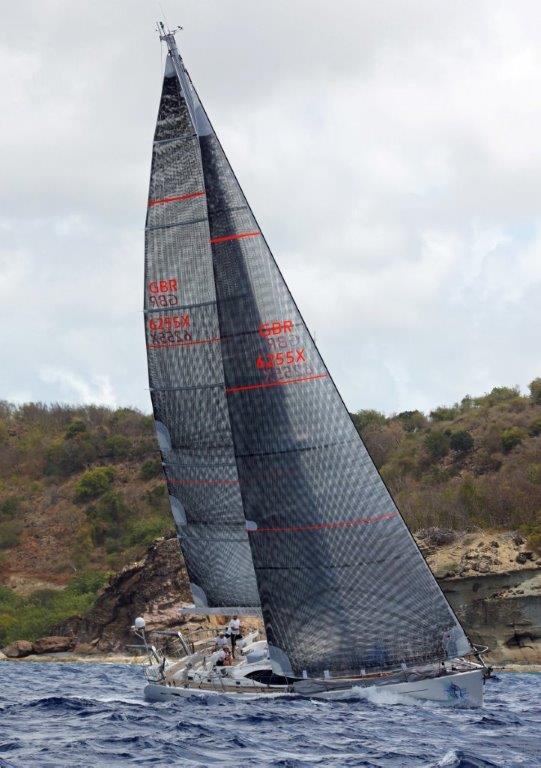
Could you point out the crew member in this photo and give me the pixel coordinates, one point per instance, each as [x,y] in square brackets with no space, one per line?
[222,657]
[219,658]
[234,632]
[220,642]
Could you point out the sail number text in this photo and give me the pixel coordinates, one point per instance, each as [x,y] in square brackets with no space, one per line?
[163,293]
[275,328]
[169,323]
[278,359]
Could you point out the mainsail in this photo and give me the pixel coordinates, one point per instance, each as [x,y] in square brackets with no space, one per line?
[343,586]
[185,366]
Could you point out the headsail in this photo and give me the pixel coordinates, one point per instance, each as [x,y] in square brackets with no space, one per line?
[185,366]
[343,586]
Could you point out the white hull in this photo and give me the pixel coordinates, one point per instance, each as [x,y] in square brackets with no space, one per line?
[458,688]
[463,687]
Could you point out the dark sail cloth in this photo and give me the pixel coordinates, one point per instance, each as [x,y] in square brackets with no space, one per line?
[248,414]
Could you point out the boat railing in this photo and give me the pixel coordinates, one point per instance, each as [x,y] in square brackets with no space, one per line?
[177,644]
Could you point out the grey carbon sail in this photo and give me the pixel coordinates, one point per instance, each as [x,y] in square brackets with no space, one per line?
[343,586]
[185,366]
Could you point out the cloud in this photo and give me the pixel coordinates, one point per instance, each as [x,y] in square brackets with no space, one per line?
[390,151]
[75,389]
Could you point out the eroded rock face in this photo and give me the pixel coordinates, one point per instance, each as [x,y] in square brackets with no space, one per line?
[53,644]
[502,611]
[152,588]
[18,649]
[84,649]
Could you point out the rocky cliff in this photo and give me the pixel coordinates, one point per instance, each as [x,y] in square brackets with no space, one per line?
[496,596]
[491,580]
[153,588]
[502,611]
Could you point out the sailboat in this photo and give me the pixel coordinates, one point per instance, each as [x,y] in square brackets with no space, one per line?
[279,508]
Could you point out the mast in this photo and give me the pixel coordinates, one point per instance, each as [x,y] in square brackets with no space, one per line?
[197,113]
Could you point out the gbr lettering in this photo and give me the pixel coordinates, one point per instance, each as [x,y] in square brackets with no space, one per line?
[163,293]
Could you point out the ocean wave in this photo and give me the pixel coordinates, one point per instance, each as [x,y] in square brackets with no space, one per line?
[460,759]
[58,717]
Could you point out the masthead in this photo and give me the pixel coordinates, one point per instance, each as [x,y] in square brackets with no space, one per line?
[168,35]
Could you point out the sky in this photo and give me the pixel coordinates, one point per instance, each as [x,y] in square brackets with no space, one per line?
[390,150]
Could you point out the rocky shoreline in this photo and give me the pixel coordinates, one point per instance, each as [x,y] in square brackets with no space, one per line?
[139,661]
[77,658]
[492,581]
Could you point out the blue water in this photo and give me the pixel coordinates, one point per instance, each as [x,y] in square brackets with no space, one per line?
[94,715]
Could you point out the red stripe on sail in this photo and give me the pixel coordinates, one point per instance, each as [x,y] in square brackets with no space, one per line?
[167,345]
[321,526]
[226,238]
[174,199]
[267,384]
[190,481]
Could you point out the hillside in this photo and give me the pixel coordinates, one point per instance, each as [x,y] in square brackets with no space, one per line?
[82,491]
[476,464]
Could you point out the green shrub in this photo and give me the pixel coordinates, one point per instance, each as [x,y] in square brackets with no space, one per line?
[461,441]
[88,582]
[143,532]
[437,444]
[9,507]
[10,533]
[111,508]
[535,391]
[534,429]
[27,618]
[511,437]
[150,469]
[484,462]
[443,414]
[118,447]
[8,598]
[412,421]
[369,417]
[155,497]
[106,518]
[94,483]
[466,404]
[64,457]
[533,473]
[143,448]
[75,428]
[498,395]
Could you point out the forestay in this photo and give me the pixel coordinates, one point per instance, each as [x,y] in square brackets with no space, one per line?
[343,586]
[185,366]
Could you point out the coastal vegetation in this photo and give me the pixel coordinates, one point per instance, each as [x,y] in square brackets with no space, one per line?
[475,464]
[31,616]
[82,490]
